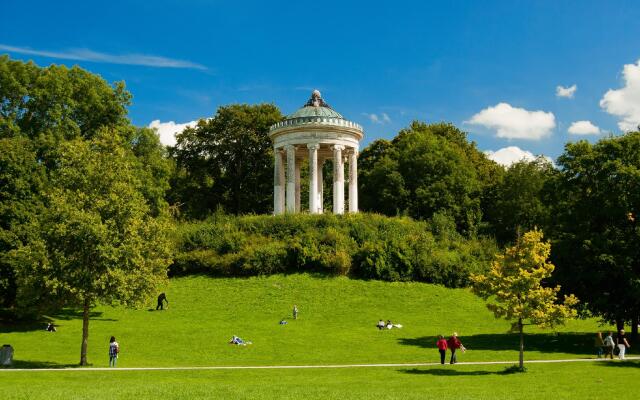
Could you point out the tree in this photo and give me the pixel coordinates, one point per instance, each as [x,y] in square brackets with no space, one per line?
[514,287]
[226,161]
[40,110]
[521,199]
[98,241]
[596,232]
[22,181]
[427,169]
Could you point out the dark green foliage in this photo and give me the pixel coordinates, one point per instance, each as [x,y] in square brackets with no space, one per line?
[367,246]
[226,161]
[521,199]
[597,225]
[427,169]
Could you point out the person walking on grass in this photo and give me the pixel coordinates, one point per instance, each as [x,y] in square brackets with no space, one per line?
[622,344]
[608,346]
[295,311]
[161,299]
[442,348]
[599,343]
[454,344]
[114,350]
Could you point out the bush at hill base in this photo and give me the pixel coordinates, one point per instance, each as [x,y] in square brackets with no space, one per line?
[366,246]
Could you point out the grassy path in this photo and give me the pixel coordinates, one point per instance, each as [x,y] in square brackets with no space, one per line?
[231,367]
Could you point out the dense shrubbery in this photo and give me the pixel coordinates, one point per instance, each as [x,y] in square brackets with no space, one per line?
[368,246]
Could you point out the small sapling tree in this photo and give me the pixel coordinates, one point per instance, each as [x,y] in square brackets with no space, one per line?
[513,287]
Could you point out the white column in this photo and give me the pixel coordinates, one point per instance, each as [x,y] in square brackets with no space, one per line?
[278,183]
[291,178]
[353,181]
[320,186]
[338,180]
[313,177]
[298,165]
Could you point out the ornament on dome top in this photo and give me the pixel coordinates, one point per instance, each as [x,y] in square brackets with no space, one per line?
[316,100]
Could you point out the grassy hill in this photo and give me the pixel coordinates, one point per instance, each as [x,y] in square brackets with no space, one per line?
[335,326]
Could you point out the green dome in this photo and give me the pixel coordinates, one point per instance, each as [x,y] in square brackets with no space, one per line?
[316,107]
[311,111]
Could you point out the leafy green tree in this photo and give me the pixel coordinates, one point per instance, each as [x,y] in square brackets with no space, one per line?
[99,240]
[596,230]
[40,110]
[514,288]
[521,199]
[57,103]
[226,161]
[427,169]
[22,180]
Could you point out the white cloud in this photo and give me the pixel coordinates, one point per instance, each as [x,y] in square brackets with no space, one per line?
[567,92]
[625,102]
[167,130]
[584,128]
[515,123]
[94,56]
[383,118]
[511,155]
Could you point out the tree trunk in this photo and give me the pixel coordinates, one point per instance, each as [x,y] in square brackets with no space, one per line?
[634,328]
[521,343]
[85,332]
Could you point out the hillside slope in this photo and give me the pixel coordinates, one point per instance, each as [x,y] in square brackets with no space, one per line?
[336,325]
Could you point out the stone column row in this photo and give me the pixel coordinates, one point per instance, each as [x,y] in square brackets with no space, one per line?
[291,197]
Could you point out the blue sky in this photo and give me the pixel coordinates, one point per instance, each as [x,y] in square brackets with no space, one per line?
[491,68]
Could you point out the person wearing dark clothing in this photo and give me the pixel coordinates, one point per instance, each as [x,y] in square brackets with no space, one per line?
[161,299]
[623,344]
[454,344]
[442,348]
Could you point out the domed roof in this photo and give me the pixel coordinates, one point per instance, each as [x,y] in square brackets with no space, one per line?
[316,107]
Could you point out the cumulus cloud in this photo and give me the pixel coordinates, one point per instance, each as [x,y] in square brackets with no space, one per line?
[383,118]
[625,102]
[515,123]
[567,92]
[511,155]
[94,56]
[167,130]
[584,128]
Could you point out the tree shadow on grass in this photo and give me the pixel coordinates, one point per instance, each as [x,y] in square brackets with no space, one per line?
[621,364]
[579,343]
[448,372]
[31,364]
[69,314]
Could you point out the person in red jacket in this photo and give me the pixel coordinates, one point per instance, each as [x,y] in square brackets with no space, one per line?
[442,348]
[454,344]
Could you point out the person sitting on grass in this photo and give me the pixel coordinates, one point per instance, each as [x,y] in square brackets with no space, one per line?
[283,322]
[380,325]
[389,324]
[51,327]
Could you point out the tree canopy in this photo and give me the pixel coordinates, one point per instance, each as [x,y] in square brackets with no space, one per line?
[597,233]
[226,161]
[427,169]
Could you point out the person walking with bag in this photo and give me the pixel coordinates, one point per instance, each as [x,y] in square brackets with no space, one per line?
[442,348]
[114,350]
[454,344]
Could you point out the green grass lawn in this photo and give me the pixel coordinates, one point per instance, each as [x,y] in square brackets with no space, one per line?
[336,325]
[604,380]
